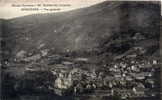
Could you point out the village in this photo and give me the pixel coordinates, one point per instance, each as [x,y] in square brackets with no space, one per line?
[128,77]
[136,79]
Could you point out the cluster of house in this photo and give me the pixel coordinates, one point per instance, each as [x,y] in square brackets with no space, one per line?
[133,79]
[129,76]
[136,78]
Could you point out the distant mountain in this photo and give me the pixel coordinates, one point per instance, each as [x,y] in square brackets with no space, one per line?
[105,27]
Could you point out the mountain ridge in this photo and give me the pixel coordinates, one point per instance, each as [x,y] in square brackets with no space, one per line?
[84,29]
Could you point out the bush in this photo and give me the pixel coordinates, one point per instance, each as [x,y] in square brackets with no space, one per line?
[38,81]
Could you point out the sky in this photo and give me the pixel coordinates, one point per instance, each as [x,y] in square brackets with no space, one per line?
[9,9]
[15,8]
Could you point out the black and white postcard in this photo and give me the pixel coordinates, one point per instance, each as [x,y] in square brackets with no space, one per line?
[80,50]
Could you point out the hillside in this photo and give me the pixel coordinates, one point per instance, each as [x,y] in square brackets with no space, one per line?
[85,29]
